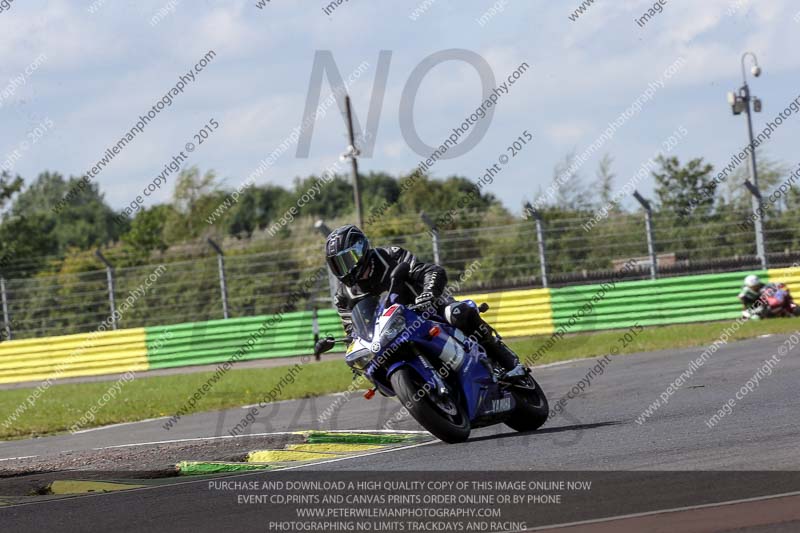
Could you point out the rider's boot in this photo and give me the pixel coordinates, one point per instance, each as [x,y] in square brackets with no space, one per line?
[468,320]
[500,353]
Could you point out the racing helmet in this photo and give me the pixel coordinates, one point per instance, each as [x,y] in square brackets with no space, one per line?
[753,282]
[346,253]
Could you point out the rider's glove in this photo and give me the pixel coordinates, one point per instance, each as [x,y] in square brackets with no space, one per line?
[425,299]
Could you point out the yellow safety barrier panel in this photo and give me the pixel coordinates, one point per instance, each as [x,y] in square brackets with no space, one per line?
[84,354]
[517,313]
[790,276]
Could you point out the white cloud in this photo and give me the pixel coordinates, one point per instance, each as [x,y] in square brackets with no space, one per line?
[394,149]
[568,132]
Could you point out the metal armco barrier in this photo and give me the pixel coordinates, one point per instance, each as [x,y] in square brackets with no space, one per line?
[675,300]
[237,339]
[84,354]
[514,313]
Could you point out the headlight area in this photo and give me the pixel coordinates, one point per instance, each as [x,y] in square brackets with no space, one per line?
[359,359]
[393,328]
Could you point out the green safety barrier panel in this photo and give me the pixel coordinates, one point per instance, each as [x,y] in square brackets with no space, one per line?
[675,300]
[243,339]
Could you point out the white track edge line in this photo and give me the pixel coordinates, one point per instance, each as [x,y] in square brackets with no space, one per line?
[299,432]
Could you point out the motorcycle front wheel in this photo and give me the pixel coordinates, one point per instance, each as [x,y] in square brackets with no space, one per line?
[444,417]
[532,408]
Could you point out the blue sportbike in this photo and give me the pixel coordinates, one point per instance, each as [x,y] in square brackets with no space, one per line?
[442,377]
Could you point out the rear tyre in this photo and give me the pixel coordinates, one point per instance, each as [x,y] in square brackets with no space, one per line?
[444,417]
[532,408]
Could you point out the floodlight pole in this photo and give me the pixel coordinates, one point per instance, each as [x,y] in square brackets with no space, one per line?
[758,207]
[352,154]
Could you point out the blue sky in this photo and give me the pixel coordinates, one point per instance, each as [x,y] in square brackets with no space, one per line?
[103,69]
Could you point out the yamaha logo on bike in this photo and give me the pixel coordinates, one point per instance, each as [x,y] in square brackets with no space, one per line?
[503,404]
[376,347]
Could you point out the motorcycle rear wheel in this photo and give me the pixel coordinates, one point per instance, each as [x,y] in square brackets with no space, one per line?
[532,408]
[445,418]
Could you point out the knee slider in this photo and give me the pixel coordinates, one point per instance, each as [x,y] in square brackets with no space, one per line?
[462,316]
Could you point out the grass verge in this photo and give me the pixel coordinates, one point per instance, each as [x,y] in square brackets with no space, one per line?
[61,406]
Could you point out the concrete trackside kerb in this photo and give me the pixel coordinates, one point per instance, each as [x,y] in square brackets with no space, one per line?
[361,437]
[611,129]
[204,468]
[755,381]
[361,381]
[129,136]
[345,445]
[90,342]
[585,310]
[266,326]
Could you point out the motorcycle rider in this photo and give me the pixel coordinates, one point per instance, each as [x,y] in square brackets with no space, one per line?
[751,292]
[363,270]
[754,292]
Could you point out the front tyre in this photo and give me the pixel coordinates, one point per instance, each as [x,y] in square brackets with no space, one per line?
[444,417]
[532,409]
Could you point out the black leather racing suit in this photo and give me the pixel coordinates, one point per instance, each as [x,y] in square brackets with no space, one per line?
[422,277]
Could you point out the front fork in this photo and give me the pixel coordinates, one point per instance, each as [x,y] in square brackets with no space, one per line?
[424,368]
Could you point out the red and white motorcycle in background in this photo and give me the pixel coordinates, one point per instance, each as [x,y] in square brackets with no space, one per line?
[775,302]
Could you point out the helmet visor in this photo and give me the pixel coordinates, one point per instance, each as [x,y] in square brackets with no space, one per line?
[347,260]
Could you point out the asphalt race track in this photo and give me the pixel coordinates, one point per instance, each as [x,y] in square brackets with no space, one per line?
[755,447]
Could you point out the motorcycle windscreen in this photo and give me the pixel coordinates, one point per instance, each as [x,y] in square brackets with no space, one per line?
[364,318]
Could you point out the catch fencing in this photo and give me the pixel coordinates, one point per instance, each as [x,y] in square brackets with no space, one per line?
[236,279]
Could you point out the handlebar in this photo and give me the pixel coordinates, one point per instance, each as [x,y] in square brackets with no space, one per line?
[326,344]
